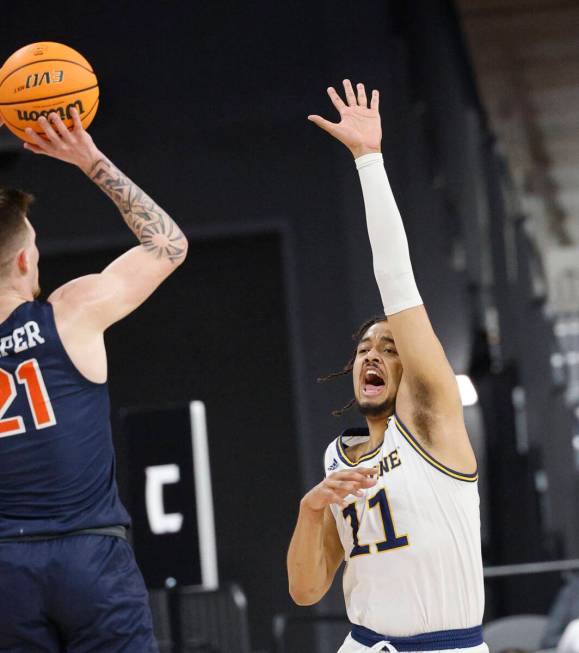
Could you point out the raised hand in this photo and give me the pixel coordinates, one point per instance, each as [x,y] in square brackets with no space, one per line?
[337,486]
[359,128]
[72,146]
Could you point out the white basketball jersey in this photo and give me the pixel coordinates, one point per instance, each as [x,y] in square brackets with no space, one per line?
[412,543]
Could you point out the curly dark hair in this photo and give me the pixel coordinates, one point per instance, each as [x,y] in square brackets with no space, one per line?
[356,337]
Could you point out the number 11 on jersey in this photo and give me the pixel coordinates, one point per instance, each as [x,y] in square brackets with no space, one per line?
[390,541]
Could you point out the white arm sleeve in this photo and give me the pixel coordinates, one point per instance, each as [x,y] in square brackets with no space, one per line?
[392,267]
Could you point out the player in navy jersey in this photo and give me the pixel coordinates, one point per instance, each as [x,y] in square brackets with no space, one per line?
[68,578]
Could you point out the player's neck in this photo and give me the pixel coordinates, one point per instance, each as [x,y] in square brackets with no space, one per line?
[376,428]
[12,296]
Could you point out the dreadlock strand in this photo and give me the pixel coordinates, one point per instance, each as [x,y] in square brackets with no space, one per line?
[340,411]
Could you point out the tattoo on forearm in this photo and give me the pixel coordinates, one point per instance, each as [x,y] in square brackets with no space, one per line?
[156,231]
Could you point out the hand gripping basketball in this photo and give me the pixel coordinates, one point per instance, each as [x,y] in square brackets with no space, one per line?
[43,78]
[338,485]
[74,146]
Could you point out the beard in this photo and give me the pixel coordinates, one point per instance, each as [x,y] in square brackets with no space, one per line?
[383,409]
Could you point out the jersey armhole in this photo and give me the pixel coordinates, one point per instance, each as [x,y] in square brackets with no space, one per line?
[413,442]
[64,353]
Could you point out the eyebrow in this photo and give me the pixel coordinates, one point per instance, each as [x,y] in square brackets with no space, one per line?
[383,338]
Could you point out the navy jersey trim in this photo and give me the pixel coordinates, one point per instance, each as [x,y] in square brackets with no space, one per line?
[63,351]
[440,640]
[341,447]
[48,310]
[413,442]
[11,315]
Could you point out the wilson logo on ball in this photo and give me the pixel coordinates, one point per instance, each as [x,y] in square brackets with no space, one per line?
[63,112]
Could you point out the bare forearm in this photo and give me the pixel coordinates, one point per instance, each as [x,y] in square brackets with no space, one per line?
[307,565]
[156,230]
[315,551]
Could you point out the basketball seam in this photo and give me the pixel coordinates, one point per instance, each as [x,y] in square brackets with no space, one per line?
[32,63]
[20,129]
[49,97]
[91,109]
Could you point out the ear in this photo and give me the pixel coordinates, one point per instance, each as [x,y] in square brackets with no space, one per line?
[23,262]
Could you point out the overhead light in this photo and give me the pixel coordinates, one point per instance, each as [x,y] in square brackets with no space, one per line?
[467,390]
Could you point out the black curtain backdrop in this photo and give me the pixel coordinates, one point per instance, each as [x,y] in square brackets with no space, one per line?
[216,331]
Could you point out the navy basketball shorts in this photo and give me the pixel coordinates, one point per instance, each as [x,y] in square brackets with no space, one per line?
[79,594]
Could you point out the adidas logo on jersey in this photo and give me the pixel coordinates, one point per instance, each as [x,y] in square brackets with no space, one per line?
[333,465]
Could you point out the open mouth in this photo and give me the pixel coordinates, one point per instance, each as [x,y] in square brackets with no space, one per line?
[372,383]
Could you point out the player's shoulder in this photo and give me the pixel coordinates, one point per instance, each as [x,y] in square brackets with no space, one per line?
[76,301]
[79,288]
[37,309]
[331,462]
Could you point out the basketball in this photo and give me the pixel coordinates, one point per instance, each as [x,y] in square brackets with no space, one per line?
[42,78]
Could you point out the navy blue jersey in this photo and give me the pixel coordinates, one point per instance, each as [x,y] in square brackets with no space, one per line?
[57,463]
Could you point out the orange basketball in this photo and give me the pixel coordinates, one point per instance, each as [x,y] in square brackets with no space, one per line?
[44,77]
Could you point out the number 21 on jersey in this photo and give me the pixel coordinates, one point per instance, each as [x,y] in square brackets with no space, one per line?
[390,541]
[29,375]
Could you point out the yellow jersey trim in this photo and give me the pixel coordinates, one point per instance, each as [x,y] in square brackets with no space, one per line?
[344,456]
[469,478]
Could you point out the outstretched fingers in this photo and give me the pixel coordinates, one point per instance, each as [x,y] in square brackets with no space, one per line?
[353,98]
[59,126]
[38,143]
[33,148]
[350,95]
[362,99]
[77,124]
[326,125]
[336,99]
[351,481]
[356,474]
[47,128]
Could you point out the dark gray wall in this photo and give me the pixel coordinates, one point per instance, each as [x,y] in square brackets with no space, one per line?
[217,332]
[205,106]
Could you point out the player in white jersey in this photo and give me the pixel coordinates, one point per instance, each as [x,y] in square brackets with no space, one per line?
[399,502]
